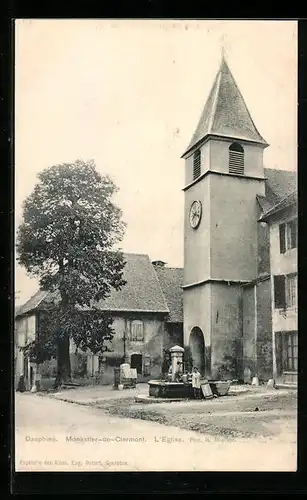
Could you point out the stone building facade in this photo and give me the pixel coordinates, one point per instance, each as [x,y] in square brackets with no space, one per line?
[282,222]
[147,319]
[227,286]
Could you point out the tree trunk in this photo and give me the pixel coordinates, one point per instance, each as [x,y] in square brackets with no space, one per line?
[63,362]
[63,354]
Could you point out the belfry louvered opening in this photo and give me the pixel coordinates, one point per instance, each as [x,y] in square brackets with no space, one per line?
[196,164]
[236,159]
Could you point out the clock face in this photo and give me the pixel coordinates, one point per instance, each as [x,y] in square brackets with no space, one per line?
[195,214]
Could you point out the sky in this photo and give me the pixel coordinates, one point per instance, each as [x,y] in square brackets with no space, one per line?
[128,94]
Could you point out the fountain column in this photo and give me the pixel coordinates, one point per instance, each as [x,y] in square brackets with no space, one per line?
[177,360]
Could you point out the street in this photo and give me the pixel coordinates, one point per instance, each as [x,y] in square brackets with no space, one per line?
[53,435]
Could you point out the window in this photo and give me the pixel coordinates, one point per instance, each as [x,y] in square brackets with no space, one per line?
[285,291]
[282,238]
[286,351]
[291,289]
[196,164]
[279,292]
[137,331]
[291,349]
[292,352]
[291,234]
[236,159]
[288,235]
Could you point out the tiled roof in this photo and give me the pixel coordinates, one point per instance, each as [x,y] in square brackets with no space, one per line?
[171,281]
[142,292]
[31,304]
[225,112]
[280,182]
[287,201]
[278,185]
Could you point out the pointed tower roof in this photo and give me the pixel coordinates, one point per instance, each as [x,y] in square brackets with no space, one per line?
[225,112]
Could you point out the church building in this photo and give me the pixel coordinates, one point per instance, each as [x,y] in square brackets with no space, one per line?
[233,305]
[227,284]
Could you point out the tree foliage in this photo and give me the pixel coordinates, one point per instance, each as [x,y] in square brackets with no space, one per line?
[91,331]
[67,240]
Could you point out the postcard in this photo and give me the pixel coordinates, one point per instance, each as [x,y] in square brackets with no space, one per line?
[156,245]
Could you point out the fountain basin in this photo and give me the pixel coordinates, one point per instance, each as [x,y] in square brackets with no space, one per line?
[164,389]
[184,390]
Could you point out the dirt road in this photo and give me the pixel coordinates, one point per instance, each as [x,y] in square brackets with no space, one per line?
[53,435]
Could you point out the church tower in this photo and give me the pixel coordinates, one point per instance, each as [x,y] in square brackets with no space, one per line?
[223,174]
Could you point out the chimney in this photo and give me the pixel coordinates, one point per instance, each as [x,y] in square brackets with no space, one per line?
[158,263]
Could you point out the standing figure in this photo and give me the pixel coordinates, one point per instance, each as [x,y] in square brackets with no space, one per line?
[196,383]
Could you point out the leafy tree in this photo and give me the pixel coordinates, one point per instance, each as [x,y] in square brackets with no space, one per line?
[67,240]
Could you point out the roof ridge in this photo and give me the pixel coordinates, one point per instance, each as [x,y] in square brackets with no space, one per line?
[213,110]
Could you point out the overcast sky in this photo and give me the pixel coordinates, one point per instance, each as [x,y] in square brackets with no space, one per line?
[128,94]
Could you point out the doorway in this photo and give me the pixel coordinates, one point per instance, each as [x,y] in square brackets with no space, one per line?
[137,362]
[197,347]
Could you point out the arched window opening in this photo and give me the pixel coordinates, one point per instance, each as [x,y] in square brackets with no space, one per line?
[236,159]
[196,164]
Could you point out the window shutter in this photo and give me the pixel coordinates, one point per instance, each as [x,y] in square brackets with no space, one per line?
[140,335]
[282,238]
[293,233]
[295,349]
[278,348]
[196,164]
[291,290]
[279,292]
[285,342]
[137,330]
[236,159]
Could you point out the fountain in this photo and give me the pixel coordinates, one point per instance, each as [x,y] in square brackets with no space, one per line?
[178,384]
[174,387]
